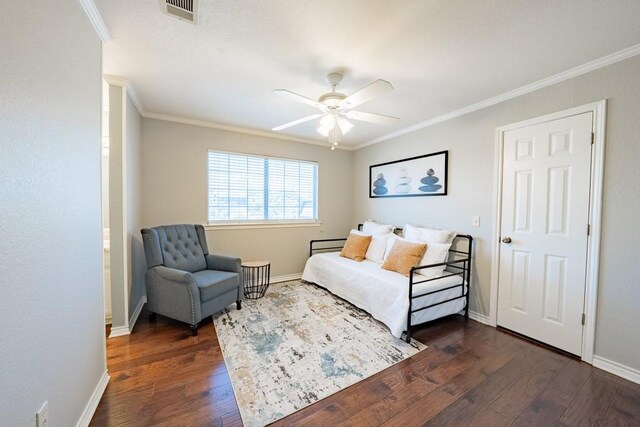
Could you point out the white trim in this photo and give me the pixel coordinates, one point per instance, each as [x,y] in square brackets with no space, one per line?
[285,278]
[604,61]
[616,368]
[598,109]
[94,400]
[238,129]
[125,210]
[136,313]
[618,56]
[119,331]
[473,315]
[595,221]
[130,89]
[250,226]
[96,20]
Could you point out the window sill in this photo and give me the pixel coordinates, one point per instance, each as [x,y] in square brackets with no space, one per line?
[257,225]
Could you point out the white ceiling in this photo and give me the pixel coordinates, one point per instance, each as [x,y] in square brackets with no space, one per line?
[439,55]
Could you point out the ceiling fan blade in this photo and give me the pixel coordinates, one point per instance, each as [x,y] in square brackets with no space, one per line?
[367,93]
[372,118]
[300,98]
[295,122]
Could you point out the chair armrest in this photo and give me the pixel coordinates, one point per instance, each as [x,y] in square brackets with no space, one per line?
[173,293]
[224,263]
[173,275]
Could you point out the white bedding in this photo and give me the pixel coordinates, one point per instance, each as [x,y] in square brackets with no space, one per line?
[383,294]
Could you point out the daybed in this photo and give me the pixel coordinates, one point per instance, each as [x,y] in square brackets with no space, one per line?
[398,301]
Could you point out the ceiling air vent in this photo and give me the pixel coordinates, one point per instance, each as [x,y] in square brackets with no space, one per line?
[185,10]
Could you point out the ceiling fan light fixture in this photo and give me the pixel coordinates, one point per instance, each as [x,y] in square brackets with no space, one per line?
[333,105]
[335,135]
[345,125]
[328,122]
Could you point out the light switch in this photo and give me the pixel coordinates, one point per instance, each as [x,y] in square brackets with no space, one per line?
[475,221]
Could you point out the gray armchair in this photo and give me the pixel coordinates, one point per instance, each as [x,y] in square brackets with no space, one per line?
[184,281]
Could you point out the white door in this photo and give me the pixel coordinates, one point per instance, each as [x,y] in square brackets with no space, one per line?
[545,212]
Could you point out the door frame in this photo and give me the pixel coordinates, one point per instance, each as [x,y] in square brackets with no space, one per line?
[595,215]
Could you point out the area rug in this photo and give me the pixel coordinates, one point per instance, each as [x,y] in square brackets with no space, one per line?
[299,344]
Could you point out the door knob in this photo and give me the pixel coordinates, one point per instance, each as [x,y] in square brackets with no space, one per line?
[506,240]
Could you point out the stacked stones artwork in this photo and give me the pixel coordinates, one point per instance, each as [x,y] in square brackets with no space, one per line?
[403,186]
[379,185]
[430,182]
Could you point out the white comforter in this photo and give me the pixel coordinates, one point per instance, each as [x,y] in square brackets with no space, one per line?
[383,294]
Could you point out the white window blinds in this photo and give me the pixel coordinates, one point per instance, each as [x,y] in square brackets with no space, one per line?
[247,188]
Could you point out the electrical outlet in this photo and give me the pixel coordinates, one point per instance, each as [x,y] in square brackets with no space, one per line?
[475,221]
[42,417]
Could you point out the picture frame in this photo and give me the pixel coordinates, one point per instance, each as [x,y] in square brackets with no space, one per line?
[419,176]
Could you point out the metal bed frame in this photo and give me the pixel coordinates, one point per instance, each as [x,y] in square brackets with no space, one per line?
[458,264]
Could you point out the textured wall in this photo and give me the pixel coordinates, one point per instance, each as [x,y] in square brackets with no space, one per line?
[470,140]
[51,309]
[136,262]
[174,168]
[119,304]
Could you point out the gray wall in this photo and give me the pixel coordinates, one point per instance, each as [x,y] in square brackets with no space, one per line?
[51,309]
[470,140]
[174,168]
[125,206]
[119,311]
[136,262]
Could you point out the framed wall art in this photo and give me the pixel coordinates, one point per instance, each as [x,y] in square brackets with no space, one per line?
[416,176]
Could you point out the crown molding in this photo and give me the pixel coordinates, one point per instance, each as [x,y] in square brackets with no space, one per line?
[238,129]
[96,20]
[129,87]
[621,55]
[131,90]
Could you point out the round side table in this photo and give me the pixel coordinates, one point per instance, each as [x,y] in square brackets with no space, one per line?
[256,278]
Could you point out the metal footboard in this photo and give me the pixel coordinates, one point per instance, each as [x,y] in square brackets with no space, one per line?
[459,266]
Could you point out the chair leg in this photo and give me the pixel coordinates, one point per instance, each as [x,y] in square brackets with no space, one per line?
[194,330]
[152,317]
[239,305]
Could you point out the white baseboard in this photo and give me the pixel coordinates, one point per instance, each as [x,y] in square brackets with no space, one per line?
[286,277]
[479,318]
[119,331]
[616,368]
[134,316]
[92,404]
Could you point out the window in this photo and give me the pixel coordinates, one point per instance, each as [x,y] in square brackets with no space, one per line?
[248,188]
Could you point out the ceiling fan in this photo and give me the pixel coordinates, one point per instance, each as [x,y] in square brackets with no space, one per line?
[336,108]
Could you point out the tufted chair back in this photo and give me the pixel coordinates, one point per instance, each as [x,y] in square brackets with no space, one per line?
[182,247]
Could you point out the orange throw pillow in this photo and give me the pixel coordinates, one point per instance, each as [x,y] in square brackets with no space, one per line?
[355,247]
[404,256]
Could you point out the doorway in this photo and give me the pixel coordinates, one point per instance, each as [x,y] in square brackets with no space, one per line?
[106,247]
[547,227]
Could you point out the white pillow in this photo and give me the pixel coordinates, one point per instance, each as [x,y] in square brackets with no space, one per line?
[377,247]
[428,235]
[391,240]
[435,254]
[375,229]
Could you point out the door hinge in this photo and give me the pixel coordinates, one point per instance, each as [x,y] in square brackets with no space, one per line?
[588,229]
[593,137]
[583,318]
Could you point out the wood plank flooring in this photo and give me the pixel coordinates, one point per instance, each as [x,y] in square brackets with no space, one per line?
[471,374]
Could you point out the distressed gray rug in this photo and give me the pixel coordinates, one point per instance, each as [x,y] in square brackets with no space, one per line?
[299,344]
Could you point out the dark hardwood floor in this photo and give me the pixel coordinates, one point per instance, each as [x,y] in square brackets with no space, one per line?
[471,374]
